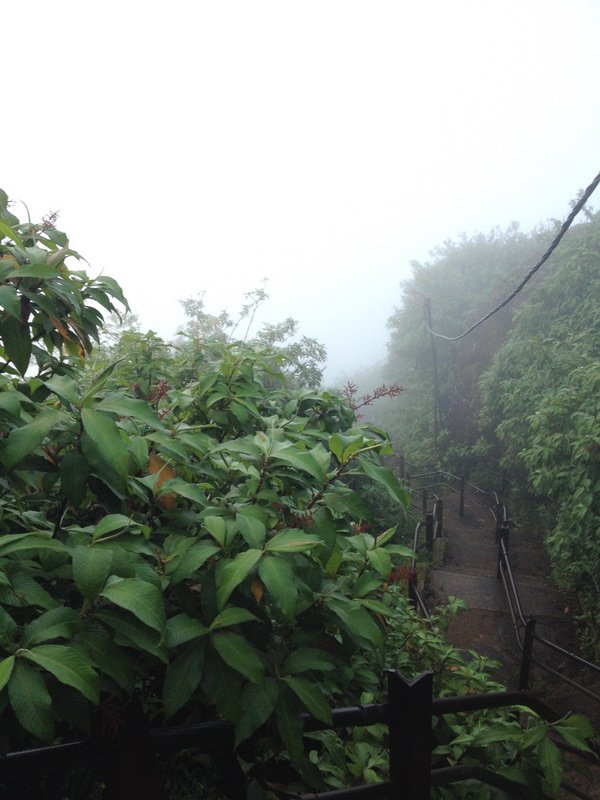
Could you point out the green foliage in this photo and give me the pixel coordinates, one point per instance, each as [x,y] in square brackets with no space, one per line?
[179,525]
[188,555]
[541,400]
[460,282]
[508,741]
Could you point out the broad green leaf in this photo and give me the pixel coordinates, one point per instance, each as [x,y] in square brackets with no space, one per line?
[187,563]
[57,623]
[28,592]
[235,572]
[357,621]
[10,301]
[22,441]
[181,629]
[74,471]
[111,523]
[99,382]
[6,668]
[140,451]
[91,568]
[7,232]
[141,636]
[551,764]
[183,678]
[141,598]
[385,537]
[366,584]
[16,542]
[387,479]
[380,560]
[533,737]
[108,657]
[67,666]
[168,444]
[278,576]
[104,434]
[575,729]
[64,387]
[252,529]
[8,628]
[377,607]
[239,654]
[256,706]
[34,270]
[139,410]
[343,446]
[307,658]
[292,541]
[401,550]
[10,401]
[298,459]
[188,490]
[232,616]
[290,729]
[31,701]
[222,684]
[217,529]
[311,696]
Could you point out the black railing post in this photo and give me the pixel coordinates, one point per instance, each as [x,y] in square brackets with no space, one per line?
[412,595]
[410,704]
[461,508]
[429,532]
[439,515]
[527,653]
[425,499]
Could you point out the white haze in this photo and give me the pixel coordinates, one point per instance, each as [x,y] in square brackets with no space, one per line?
[203,146]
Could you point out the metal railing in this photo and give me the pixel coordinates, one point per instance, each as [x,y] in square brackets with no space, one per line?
[524,626]
[408,713]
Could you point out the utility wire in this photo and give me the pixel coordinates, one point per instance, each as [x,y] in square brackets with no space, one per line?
[555,242]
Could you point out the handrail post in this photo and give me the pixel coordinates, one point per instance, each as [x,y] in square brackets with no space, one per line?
[410,704]
[412,596]
[461,508]
[527,654]
[439,514]
[425,499]
[429,532]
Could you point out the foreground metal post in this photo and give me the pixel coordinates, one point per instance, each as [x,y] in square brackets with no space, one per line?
[410,705]
[429,532]
[527,653]
[439,514]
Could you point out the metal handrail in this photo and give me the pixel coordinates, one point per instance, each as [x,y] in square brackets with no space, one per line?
[519,619]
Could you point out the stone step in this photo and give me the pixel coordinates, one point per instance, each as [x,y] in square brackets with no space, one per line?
[486,592]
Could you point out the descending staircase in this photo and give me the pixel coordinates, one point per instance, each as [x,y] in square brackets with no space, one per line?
[469,571]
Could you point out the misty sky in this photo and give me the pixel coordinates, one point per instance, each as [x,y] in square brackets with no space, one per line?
[195,146]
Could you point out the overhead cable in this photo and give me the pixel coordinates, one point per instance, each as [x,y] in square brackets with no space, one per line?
[555,242]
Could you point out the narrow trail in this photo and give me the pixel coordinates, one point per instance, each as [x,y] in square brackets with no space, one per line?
[469,572]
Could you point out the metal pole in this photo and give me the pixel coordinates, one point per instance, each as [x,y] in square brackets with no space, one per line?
[439,508]
[429,531]
[527,653]
[425,499]
[409,723]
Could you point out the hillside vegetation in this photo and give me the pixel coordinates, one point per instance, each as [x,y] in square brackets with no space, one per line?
[515,404]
